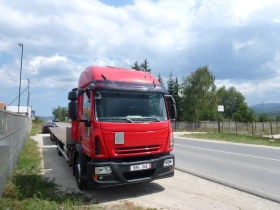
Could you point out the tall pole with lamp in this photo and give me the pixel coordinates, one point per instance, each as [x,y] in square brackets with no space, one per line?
[28,96]
[21,45]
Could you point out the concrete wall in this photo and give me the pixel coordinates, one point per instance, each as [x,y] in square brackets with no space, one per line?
[13,133]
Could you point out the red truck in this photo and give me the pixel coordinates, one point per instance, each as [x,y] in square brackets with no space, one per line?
[121,131]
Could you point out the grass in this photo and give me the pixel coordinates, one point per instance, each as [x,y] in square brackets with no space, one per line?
[35,129]
[235,138]
[26,189]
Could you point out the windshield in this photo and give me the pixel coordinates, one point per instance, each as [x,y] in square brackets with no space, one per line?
[123,106]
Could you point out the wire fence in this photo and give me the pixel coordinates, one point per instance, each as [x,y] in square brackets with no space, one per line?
[254,128]
[13,133]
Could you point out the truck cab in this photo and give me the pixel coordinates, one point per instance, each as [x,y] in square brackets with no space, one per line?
[121,125]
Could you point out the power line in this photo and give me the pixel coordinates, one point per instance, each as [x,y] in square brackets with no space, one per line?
[17,97]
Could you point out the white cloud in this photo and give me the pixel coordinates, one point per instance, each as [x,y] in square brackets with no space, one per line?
[61,38]
[276,20]
[243,9]
[255,91]
[49,96]
[240,45]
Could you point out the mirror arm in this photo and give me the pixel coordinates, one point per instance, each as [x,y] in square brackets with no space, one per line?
[87,122]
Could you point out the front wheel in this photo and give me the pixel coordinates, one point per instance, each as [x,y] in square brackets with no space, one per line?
[78,174]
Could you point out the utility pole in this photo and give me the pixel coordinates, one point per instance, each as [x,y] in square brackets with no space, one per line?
[28,96]
[21,45]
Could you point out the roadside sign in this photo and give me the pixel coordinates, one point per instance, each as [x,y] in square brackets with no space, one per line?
[33,115]
[220,108]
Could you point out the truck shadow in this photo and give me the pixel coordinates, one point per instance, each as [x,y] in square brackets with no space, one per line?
[56,168]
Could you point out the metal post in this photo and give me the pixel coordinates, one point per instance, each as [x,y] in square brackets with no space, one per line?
[229,124]
[271,129]
[262,117]
[21,45]
[219,130]
[28,96]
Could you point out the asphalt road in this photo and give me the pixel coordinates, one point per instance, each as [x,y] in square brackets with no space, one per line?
[252,169]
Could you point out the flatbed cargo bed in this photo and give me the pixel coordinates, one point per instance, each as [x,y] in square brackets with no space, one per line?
[63,134]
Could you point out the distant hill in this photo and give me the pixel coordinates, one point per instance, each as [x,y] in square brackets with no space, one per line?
[46,118]
[271,109]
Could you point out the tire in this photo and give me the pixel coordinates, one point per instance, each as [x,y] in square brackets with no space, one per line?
[70,162]
[78,174]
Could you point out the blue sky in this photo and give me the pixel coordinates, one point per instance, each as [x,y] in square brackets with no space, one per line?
[238,39]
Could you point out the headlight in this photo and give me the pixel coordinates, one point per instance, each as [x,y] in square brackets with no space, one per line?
[103,170]
[168,162]
[171,141]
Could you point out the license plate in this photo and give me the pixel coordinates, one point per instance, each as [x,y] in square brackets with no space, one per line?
[140,167]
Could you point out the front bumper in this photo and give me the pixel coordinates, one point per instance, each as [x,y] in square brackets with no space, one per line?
[122,175]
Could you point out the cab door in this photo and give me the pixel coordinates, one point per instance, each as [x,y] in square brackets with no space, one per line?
[85,127]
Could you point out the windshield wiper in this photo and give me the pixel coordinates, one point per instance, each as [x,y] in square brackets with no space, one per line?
[117,119]
[129,120]
[153,118]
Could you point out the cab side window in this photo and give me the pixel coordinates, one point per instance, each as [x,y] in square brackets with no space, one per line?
[86,106]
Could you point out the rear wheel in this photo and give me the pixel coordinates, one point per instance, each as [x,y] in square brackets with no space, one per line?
[78,174]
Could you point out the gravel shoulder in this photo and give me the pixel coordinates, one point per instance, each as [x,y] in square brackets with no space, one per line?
[183,191]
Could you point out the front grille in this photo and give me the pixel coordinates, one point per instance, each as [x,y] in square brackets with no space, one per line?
[135,175]
[137,149]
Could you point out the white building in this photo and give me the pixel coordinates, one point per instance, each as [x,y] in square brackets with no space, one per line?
[23,110]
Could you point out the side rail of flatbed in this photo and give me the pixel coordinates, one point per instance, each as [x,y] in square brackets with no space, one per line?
[64,141]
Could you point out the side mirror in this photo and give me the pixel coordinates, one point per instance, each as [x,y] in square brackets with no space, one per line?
[73,95]
[171,107]
[73,110]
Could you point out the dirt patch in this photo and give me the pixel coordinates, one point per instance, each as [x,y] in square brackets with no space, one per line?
[183,191]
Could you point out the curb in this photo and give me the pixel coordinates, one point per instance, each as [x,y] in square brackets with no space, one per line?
[258,193]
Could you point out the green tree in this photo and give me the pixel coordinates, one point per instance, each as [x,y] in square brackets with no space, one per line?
[170,84]
[199,95]
[136,66]
[59,113]
[160,79]
[37,120]
[145,66]
[244,114]
[174,89]
[142,67]
[231,99]
[263,118]
[178,99]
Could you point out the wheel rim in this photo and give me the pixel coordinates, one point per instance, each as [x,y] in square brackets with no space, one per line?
[78,172]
